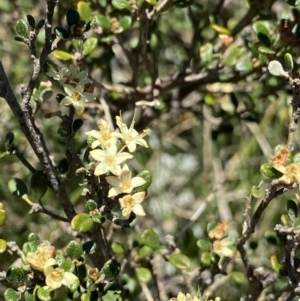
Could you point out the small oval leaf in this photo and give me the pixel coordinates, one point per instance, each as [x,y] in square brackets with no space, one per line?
[39,184]
[144,275]
[179,261]
[15,276]
[22,28]
[74,250]
[17,187]
[81,222]
[62,55]
[12,295]
[150,239]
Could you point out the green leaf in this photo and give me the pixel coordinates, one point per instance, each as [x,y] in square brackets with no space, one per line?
[152,2]
[34,237]
[264,39]
[89,45]
[239,277]
[259,27]
[74,249]
[29,297]
[292,209]
[122,4]
[29,246]
[31,21]
[125,22]
[68,266]
[286,220]
[111,269]
[84,10]
[12,295]
[146,175]
[46,94]
[271,237]
[179,261]
[89,247]
[111,296]
[77,124]
[288,62]
[40,24]
[22,28]
[20,39]
[144,252]
[117,248]
[44,294]
[265,50]
[244,66]
[9,140]
[17,187]
[61,33]
[206,53]
[2,217]
[143,275]
[15,276]
[293,2]
[205,258]
[150,239]
[104,22]
[62,55]
[81,222]
[91,205]
[257,193]
[269,171]
[38,184]
[232,54]
[203,244]
[3,245]
[73,17]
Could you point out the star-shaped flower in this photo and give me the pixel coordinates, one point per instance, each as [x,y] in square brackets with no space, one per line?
[132,203]
[124,183]
[38,259]
[76,97]
[110,160]
[56,277]
[130,137]
[104,137]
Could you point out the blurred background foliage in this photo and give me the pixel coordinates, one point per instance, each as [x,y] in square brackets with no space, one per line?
[215,118]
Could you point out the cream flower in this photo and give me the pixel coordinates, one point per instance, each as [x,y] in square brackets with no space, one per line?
[61,75]
[291,173]
[124,183]
[104,137]
[76,96]
[69,75]
[130,136]
[56,277]
[38,259]
[132,203]
[224,247]
[109,159]
[182,297]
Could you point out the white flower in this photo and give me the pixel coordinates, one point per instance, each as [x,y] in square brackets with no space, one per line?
[124,183]
[61,75]
[56,277]
[132,203]
[104,136]
[76,97]
[38,259]
[70,75]
[109,159]
[130,136]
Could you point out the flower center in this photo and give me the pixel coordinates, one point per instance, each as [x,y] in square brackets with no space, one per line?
[57,274]
[76,96]
[128,201]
